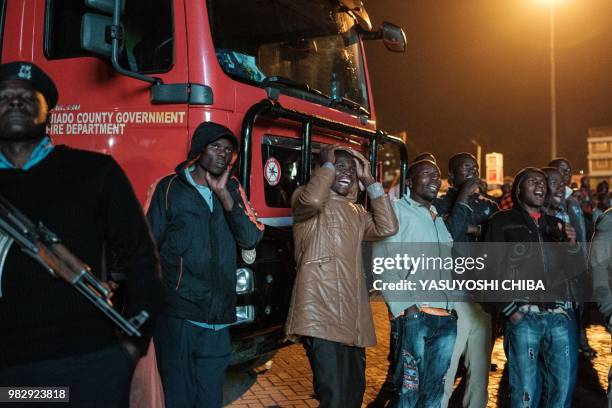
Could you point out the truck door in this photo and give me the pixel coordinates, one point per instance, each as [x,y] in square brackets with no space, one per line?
[100,109]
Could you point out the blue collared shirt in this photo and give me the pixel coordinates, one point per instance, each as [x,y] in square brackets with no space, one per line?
[204,191]
[38,154]
[418,224]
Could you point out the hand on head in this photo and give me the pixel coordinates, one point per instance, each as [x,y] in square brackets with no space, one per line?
[364,171]
[326,155]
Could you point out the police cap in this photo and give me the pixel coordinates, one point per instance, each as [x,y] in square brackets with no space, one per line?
[36,77]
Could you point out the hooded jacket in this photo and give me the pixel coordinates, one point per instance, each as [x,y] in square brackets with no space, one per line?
[600,264]
[330,297]
[516,225]
[198,247]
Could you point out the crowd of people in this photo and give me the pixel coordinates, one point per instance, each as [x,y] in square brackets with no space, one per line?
[179,256]
[542,339]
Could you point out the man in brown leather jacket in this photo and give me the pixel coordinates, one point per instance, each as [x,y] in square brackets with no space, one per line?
[329,309]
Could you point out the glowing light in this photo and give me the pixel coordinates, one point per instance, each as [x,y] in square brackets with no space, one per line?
[550,2]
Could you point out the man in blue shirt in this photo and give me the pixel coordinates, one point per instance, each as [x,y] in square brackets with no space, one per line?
[422,365]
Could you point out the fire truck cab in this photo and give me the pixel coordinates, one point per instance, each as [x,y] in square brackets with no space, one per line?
[136,77]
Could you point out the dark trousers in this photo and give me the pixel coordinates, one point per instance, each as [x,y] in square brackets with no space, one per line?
[100,379]
[192,361]
[338,372]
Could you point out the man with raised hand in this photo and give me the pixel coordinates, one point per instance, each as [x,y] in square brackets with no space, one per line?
[198,216]
[466,213]
[330,309]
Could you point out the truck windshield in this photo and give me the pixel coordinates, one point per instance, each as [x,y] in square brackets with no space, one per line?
[306,45]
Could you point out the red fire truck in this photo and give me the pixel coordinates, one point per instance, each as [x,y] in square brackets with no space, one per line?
[135,77]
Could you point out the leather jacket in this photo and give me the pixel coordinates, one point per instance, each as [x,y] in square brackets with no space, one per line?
[330,297]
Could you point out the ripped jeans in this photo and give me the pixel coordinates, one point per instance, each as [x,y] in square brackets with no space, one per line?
[539,342]
[427,344]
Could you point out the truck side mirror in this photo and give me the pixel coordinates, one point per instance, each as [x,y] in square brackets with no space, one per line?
[93,34]
[104,6]
[393,37]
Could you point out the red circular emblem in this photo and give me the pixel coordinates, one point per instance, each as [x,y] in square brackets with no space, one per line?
[272,171]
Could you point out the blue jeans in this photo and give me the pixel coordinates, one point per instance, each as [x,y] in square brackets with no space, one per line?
[574,341]
[538,339]
[427,344]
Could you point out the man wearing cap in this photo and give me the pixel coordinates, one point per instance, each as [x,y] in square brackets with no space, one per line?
[198,215]
[51,334]
[330,310]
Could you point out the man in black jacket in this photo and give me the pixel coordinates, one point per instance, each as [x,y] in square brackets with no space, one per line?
[571,206]
[537,330]
[198,216]
[50,334]
[465,212]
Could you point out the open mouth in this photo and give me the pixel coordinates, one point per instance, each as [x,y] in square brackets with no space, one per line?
[344,182]
[433,188]
[538,193]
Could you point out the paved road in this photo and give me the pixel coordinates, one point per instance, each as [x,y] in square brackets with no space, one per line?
[288,383]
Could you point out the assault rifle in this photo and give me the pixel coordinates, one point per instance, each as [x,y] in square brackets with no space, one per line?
[45,247]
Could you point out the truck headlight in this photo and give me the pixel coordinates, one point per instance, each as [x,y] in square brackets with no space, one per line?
[245,314]
[244,280]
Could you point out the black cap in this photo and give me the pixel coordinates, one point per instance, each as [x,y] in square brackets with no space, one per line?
[36,77]
[205,134]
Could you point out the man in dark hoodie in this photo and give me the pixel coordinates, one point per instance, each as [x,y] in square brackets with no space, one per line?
[537,332]
[198,215]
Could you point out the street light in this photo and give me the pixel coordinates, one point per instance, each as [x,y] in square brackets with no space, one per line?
[553,86]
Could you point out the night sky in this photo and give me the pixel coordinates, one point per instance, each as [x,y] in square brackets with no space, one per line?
[481,69]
